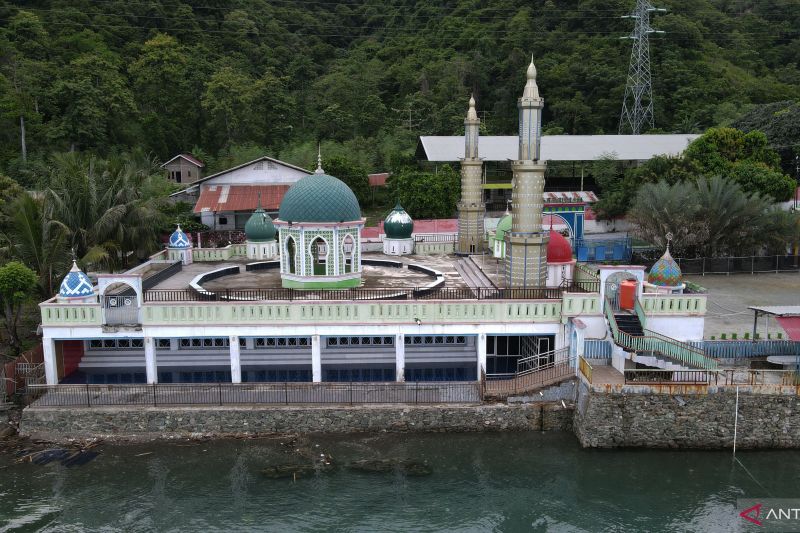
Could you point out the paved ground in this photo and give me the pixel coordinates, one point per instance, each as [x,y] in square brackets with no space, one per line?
[730,296]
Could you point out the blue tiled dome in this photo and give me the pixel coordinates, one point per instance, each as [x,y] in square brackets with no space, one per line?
[76,284]
[179,239]
[665,272]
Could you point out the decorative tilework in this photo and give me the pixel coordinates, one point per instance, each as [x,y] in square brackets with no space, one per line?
[76,284]
[179,239]
[665,272]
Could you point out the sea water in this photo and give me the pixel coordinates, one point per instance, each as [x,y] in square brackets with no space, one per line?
[469,482]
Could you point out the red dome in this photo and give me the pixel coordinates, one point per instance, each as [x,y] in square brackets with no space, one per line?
[558,248]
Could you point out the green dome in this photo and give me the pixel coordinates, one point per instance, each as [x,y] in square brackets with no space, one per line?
[319,198]
[398,224]
[503,227]
[259,227]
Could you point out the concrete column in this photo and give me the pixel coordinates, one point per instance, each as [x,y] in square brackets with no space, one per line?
[174,345]
[400,357]
[481,355]
[236,365]
[316,359]
[150,363]
[50,368]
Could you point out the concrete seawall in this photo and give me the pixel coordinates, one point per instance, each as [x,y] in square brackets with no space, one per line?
[150,423]
[638,417]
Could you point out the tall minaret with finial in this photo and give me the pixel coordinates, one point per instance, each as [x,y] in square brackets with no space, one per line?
[471,209]
[526,243]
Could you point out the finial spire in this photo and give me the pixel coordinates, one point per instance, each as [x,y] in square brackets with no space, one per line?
[319,160]
[669,237]
[471,113]
[531,89]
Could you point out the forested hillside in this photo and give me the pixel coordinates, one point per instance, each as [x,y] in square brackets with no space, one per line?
[229,78]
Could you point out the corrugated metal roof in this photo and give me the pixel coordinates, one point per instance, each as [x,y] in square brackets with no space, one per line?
[378,180]
[561,147]
[777,310]
[189,157]
[218,198]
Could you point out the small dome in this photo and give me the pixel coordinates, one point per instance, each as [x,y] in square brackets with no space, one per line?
[665,272]
[398,224]
[76,284]
[559,250]
[259,227]
[503,227]
[319,198]
[179,239]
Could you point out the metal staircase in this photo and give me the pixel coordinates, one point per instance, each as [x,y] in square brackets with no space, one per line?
[628,332]
[533,373]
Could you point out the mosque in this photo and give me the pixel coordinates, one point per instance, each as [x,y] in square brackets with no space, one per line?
[306,299]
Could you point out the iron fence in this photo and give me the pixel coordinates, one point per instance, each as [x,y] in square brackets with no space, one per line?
[726,377]
[544,375]
[751,264]
[747,349]
[165,394]
[417,293]
[662,377]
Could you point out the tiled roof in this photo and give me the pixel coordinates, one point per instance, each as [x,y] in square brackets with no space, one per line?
[217,198]
[378,180]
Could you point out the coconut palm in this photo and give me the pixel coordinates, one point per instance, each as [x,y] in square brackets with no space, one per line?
[36,241]
[111,208]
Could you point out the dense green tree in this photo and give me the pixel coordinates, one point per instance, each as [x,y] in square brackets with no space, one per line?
[709,218]
[17,286]
[354,175]
[426,194]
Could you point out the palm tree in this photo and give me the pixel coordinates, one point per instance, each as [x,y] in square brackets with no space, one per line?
[111,208]
[36,241]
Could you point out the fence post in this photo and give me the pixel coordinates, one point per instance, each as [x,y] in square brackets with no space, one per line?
[704,266]
[351,393]
[416,392]
[219,389]
[776,263]
[88,401]
[286,393]
[752,264]
[155,401]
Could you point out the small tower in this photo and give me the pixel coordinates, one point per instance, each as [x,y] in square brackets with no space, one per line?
[180,247]
[526,243]
[665,276]
[260,233]
[398,227]
[471,209]
[76,286]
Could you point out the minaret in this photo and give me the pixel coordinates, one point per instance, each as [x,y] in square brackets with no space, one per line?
[526,243]
[471,209]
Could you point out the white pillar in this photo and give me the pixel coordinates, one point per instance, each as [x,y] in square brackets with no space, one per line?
[236,364]
[316,359]
[50,368]
[481,355]
[150,364]
[400,357]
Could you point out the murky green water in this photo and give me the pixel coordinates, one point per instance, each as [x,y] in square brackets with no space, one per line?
[497,482]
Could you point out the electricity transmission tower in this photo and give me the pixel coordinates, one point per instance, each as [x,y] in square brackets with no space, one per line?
[637,108]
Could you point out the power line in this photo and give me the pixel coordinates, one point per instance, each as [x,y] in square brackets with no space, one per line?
[637,106]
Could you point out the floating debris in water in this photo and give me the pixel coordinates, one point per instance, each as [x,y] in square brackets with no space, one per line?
[385,466]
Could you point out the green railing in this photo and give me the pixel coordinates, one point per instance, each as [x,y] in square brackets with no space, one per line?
[637,307]
[660,344]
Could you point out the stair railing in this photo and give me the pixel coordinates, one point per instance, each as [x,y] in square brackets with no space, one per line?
[657,343]
[637,307]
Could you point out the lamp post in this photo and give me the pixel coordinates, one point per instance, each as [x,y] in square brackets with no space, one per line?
[796,178]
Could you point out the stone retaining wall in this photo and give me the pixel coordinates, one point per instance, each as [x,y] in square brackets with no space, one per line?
[697,420]
[148,423]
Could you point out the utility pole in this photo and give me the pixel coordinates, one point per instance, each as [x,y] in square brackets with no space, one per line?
[637,107]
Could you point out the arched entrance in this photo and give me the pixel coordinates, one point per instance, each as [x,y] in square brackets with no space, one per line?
[120,301]
[291,255]
[612,285]
[348,246]
[319,256]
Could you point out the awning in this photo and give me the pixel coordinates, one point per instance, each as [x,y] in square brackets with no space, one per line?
[791,325]
[219,198]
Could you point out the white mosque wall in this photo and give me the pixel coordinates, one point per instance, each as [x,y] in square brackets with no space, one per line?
[605,226]
[682,328]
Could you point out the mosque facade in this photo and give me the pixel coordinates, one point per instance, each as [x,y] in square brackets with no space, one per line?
[303,300]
